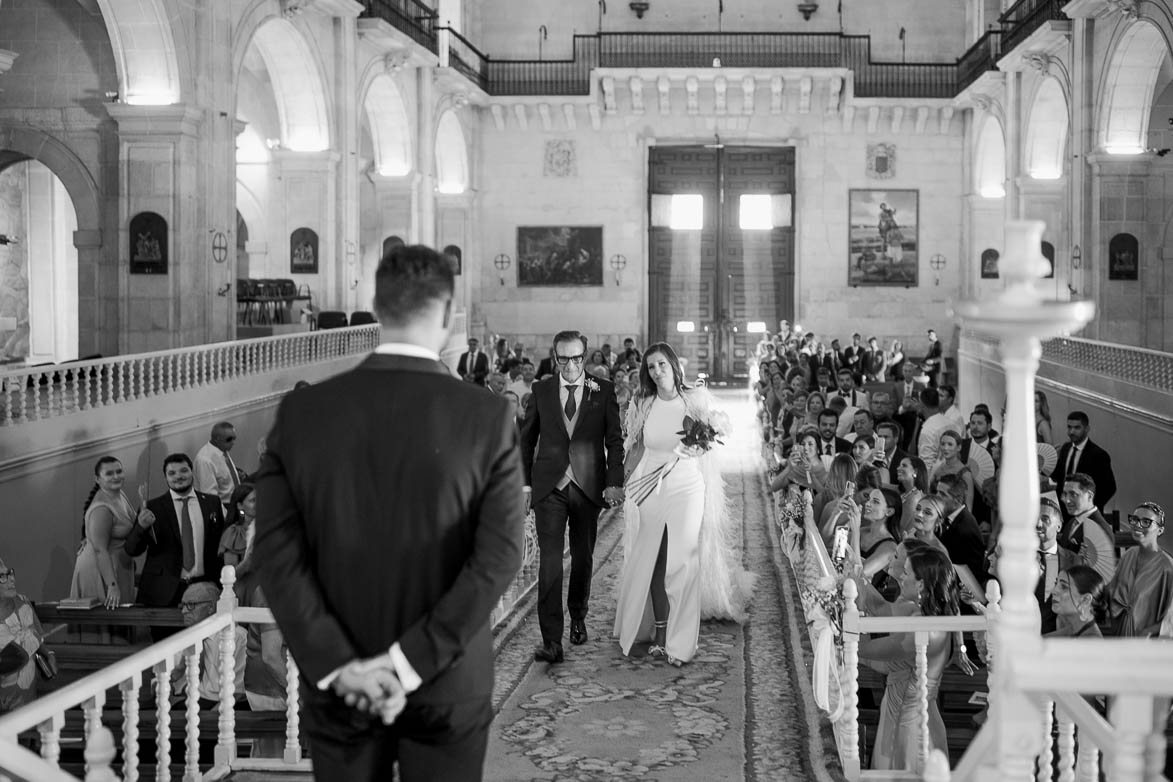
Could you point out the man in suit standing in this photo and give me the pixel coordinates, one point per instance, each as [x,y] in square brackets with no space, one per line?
[473,366]
[1086,532]
[830,444]
[180,533]
[572,449]
[390,522]
[905,394]
[1080,454]
[933,359]
[1053,559]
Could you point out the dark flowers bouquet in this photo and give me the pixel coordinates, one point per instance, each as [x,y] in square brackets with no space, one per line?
[697,437]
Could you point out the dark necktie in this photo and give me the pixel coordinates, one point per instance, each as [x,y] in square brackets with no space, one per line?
[231,472]
[827,449]
[187,535]
[1071,459]
[570,406]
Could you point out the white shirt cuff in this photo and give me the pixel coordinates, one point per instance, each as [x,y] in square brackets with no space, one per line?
[410,680]
[527,489]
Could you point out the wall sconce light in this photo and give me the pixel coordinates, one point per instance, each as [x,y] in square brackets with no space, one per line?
[1076,257]
[618,264]
[6,239]
[937,263]
[223,289]
[807,8]
[502,262]
[640,7]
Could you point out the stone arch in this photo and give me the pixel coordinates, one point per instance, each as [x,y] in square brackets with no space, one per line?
[249,207]
[1046,131]
[1127,92]
[145,51]
[989,164]
[295,72]
[451,154]
[389,125]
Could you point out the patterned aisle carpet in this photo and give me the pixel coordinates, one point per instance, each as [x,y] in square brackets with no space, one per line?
[742,709]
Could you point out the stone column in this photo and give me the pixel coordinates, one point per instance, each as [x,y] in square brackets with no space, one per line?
[426,156]
[346,110]
[159,171]
[1013,119]
[97,317]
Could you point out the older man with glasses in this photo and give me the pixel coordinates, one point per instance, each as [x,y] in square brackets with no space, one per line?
[215,472]
[1141,593]
[572,453]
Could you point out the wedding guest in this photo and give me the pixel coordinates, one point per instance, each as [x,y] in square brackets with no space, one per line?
[959,530]
[840,476]
[830,443]
[894,359]
[496,382]
[1053,559]
[804,466]
[20,638]
[1080,454]
[1042,418]
[933,360]
[930,583]
[892,454]
[215,472]
[197,603]
[103,569]
[1076,601]
[514,403]
[847,390]
[631,354]
[927,521]
[863,450]
[523,383]
[873,531]
[473,366]
[236,541]
[935,424]
[948,407]
[1141,592]
[1086,531]
[949,463]
[913,481]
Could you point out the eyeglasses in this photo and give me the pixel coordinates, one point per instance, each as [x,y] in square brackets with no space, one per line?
[1137,521]
[564,360]
[8,575]
[190,606]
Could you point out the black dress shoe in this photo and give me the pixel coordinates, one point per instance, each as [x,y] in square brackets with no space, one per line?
[578,633]
[549,652]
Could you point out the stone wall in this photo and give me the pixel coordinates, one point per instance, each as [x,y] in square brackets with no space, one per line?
[14,262]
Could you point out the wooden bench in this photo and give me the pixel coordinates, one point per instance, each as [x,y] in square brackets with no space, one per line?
[123,616]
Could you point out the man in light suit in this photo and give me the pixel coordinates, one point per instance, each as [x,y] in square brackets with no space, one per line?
[473,366]
[180,533]
[572,449]
[390,522]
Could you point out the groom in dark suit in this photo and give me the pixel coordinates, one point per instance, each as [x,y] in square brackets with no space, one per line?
[572,450]
[180,533]
[390,521]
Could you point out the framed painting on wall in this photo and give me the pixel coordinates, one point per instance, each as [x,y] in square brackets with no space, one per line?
[1123,257]
[303,251]
[882,245]
[560,255]
[148,244]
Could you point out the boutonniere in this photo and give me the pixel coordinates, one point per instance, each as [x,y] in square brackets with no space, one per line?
[590,386]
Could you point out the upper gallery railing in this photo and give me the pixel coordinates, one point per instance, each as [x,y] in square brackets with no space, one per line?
[38,393]
[412,17]
[1026,16]
[982,57]
[463,56]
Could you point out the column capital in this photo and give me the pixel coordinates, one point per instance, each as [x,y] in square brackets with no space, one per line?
[1093,9]
[290,160]
[175,119]
[343,8]
[87,238]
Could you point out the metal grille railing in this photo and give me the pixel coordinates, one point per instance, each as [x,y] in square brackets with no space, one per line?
[466,58]
[739,50]
[1026,16]
[408,16]
[981,58]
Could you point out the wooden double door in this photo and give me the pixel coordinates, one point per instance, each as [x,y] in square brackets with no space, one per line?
[721,250]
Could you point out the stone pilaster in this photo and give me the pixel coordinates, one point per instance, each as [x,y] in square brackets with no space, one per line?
[426,157]
[158,171]
[305,196]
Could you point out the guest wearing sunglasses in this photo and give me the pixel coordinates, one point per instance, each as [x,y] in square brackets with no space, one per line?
[1141,592]
[215,472]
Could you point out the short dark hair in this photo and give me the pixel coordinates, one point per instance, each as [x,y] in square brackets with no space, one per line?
[1079,415]
[984,413]
[864,412]
[408,281]
[1084,481]
[827,412]
[929,397]
[569,336]
[947,389]
[892,426]
[843,371]
[176,458]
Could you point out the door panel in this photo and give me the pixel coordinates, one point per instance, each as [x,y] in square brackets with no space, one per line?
[719,277]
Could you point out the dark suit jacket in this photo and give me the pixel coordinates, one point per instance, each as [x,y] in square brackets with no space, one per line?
[841,446]
[1094,462]
[963,541]
[898,391]
[595,450]
[160,583]
[480,368]
[390,510]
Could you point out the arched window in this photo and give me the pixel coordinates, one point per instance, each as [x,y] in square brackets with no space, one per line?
[989,168]
[1046,135]
[451,155]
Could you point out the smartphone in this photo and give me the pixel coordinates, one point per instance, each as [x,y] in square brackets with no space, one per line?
[839,545]
[880,443]
[849,491]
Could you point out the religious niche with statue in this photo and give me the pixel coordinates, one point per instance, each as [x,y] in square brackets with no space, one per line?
[148,244]
[303,251]
[560,255]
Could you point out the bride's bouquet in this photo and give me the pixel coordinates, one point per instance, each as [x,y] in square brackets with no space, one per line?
[697,437]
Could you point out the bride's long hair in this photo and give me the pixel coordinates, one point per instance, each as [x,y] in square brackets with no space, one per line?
[647,386]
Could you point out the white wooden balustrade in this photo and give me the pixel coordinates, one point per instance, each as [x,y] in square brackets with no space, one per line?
[38,393]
